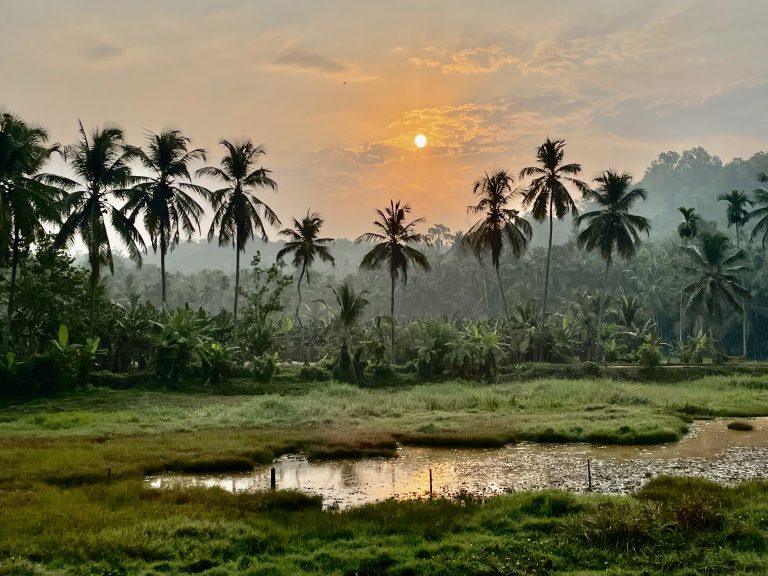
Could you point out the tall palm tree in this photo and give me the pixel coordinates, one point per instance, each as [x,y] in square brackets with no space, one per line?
[548,196]
[736,211]
[163,198]
[26,203]
[761,213]
[238,213]
[100,163]
[394,249]
[497,223]
[612,227]
[737,215]
[718,283]
[687,230]
[351,305]
[303,243]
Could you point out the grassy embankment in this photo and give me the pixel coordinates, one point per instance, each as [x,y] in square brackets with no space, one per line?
[60,514]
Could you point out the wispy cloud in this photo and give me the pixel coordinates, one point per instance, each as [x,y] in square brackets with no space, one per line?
[312,62]
[476,60]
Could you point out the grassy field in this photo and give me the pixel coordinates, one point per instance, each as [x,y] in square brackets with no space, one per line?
[60,513]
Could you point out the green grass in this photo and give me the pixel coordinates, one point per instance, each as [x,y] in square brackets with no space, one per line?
[740,425]
[673,526]
[72,500]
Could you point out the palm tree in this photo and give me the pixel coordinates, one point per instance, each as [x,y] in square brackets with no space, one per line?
[351,305]
[26,203]
[736,211]
[393,248]
[238,214]
[687,230]
[612,227]
[737,215]
[548,196]
[497,223]
[718,283]
[304,244]
[101,164]
[760,214]
[163,197]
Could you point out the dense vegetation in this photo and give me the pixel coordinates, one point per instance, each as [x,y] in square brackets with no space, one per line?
[420,300]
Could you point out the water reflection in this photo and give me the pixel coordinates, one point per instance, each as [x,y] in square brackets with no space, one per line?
[710,450]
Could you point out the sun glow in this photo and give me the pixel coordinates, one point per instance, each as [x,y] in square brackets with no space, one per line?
[420,140]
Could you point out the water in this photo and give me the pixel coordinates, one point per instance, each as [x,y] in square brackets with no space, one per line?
[710,451]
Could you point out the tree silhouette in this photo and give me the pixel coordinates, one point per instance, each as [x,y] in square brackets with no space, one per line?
[736,211]
[238,212]
[548,197]
[393,249]
[718,284]
[26,203]
[305,245]
[163,197]
[101,165]
[612,227]
[687,230]
[498,223]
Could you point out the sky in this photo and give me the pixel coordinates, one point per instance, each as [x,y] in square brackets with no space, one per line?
[337,90]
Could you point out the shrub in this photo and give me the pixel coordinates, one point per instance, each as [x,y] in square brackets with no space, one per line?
[649,355]
[263,368]
[314,374]
[40,374]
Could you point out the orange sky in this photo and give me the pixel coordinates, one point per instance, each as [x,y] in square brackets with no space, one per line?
[336,90]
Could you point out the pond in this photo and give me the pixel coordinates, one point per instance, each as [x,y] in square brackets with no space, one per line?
[709,450]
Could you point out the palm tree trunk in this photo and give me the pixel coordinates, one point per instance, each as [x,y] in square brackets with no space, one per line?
[94,283]
[682,319]
[546,286]
[600,314]
[744,329]
[237,289]
[11,290]
[392,314]
[298,316]
[162,268]
[503,297]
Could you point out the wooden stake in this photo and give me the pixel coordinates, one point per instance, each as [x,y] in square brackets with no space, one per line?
[589,474]
[430,482]
[273,480]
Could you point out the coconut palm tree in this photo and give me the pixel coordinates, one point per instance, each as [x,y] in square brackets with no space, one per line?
[612,226]
[718,283]
[736,211]
[100,163]
[498,223]
[687,230]
[351,305]
[761,213]
[548,197]
[394,249]
[303,243]
[238,213]
[163,197]
[737,215]
[26,203]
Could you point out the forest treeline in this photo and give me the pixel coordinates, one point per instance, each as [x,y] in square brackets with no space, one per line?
[464,304]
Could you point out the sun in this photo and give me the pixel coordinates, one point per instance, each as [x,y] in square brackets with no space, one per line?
[420,140]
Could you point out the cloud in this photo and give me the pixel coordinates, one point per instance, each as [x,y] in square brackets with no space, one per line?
[464,130]
[477,60]
[311,62]
[105,53]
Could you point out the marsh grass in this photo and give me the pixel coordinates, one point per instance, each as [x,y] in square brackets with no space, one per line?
[741,425]
[673,526]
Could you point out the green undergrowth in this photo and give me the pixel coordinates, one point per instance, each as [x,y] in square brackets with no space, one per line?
[672,526]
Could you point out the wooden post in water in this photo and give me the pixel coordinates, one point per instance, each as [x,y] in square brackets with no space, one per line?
[589,474]
[430,482]
[273,481]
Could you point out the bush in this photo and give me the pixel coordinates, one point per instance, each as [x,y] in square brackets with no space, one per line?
[314,374]
[41,375]
[264,368]
[740,425]
[649,355]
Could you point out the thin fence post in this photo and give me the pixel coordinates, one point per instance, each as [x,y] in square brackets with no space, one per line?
[273,480]
[589,474]
[430,482]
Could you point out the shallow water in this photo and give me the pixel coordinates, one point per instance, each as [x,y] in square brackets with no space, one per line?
[709,450]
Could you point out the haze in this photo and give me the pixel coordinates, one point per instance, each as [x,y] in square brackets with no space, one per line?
[337,90]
